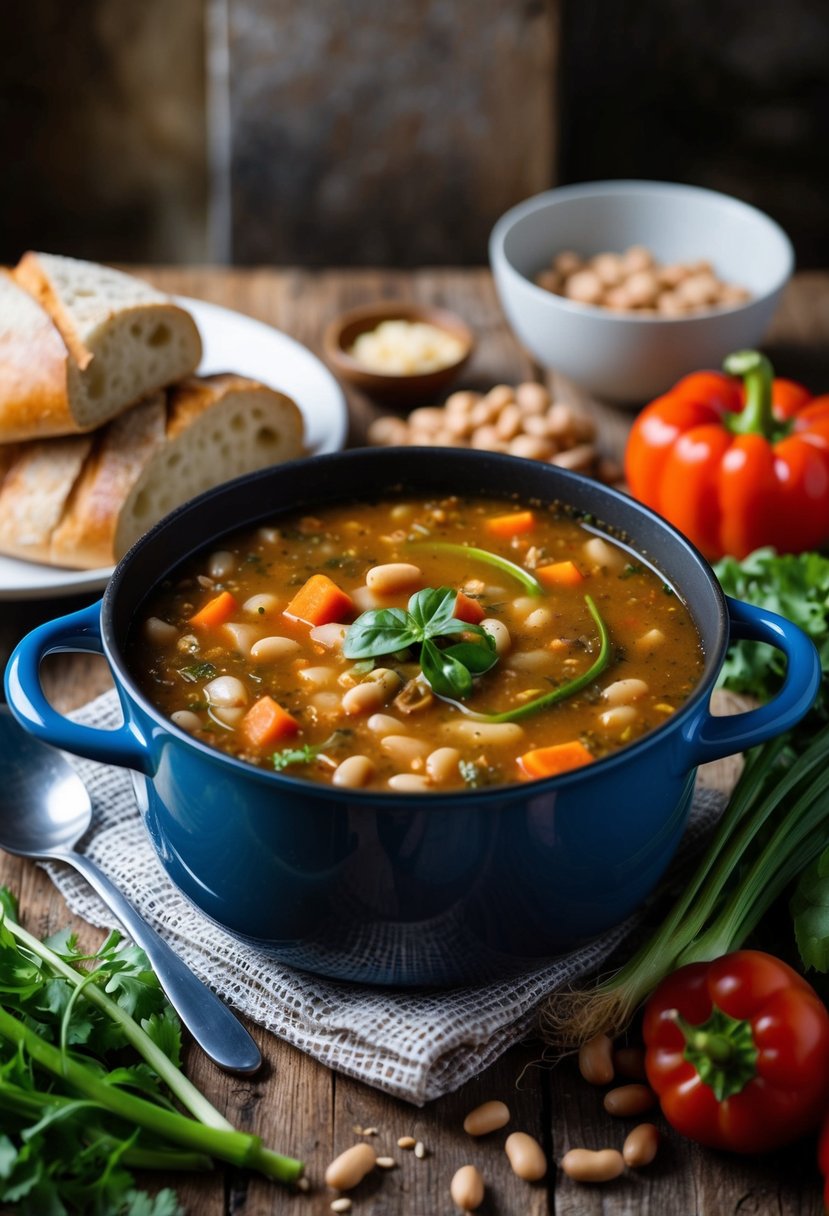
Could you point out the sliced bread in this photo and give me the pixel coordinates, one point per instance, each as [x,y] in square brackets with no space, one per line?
[162,452]
[120,340]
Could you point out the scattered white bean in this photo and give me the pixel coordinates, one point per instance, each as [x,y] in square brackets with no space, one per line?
[372,693]
[318,677]
[405,750]
[584,1165]
[618,718]
[467,1188]
[486,733]
[523,605]
[341,1205]
[187,720]
[526,1156]
[158,632]
[227,715]
[393,577]
[530,660]
[539,618]
[499,633]
[243,637]
[596,1060]
[263,604]
[409,783]
[221,563]
[622,692]
[226,691]
[442,764]
[602,553]
[274,649]
[486,1118]
[330,636]
[326,704]
[385,724]
[364,599]
[350,1167]
[354,772]
[649,641]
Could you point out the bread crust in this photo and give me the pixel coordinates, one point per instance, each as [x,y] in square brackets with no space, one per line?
[34,397]
[69,501]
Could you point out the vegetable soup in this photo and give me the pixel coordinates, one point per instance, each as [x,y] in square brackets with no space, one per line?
[418,645]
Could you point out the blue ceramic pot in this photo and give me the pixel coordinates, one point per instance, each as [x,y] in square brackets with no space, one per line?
[415,889]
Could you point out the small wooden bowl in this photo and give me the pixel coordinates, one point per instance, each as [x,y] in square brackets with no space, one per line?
[394,389]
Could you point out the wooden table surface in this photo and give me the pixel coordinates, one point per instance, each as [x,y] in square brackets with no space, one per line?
[302,1108]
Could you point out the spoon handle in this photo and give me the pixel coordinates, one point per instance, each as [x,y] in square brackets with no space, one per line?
[214,1027]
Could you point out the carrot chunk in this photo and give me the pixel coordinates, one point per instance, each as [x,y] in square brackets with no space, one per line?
[559,758]
[559,574]
[319,602]
[469,610]
[266,722]
[511,525]
[215,612]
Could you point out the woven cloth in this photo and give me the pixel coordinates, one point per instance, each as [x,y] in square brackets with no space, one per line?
[416,1045]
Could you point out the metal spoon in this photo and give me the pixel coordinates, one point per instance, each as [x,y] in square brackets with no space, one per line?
[45,809]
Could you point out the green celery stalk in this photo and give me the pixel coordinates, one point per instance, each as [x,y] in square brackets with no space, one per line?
[239,1148]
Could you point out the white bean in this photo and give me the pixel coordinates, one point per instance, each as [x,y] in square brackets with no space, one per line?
[318,677]
[364,599]
[484,733]
[326,704]
[530,660]
[523,605]
[372,693]
[618,718]
[227,715]
[330,636]
[601,553]
[187,720]
[221,563]
[467,1188]
[649,641]
[274,649]
[539,618]
[405,750]
[442,764]
[385,724]
[243,637]
[261,605]
[353,772]
[226,691]
[158,632]
[409,783]
[499,633]
[350,1167]
[622,692]
[393,577]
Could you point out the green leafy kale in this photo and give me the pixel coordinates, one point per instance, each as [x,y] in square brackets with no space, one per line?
[810,913]
[795,586]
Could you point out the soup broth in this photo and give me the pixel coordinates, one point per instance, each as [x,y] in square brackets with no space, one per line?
[418,645]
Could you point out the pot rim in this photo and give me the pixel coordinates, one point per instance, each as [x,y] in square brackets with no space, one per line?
[629,753]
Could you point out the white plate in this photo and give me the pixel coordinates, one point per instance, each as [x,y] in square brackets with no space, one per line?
[232,342]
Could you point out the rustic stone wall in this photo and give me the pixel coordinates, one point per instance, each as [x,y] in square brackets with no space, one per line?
[335,132]
[386,133]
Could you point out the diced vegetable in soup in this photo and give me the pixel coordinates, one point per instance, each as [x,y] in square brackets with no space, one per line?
[415,646]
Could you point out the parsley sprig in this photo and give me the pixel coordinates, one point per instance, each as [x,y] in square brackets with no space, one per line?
[426,621]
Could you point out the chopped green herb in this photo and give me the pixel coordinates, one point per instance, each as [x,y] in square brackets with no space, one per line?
[309,752]
[632,569]
[470,773]
[198,671]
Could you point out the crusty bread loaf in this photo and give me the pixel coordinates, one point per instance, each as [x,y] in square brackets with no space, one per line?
[94,496]
[79,343]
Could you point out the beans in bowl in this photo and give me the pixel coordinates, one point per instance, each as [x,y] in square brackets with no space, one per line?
[418,645]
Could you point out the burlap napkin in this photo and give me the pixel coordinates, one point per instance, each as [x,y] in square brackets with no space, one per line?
[416,1045]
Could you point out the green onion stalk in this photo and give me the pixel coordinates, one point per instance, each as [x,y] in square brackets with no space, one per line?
[773,827]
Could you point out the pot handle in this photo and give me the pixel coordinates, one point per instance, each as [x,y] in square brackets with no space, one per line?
[711,738]
[124,745]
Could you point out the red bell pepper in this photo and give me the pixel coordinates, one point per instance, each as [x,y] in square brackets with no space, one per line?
[736,461]
[738,1052]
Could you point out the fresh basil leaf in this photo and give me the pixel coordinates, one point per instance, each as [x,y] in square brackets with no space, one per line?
[379,631]
[446,675]
[476,657]
[432,609]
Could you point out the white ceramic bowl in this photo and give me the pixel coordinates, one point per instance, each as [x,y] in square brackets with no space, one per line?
[625,357]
